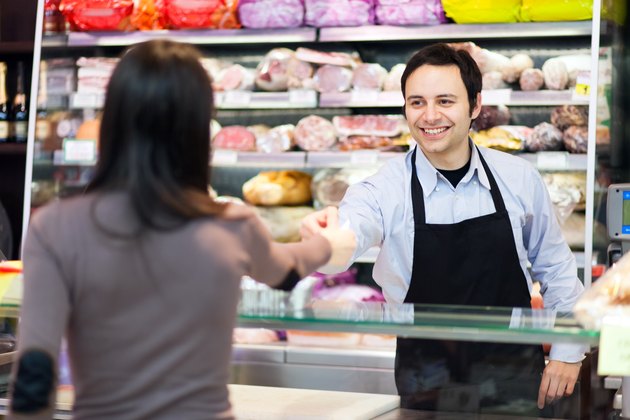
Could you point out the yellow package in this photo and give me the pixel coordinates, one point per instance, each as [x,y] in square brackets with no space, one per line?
[482,11]
[552,11]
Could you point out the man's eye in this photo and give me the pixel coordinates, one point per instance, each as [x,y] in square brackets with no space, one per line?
[446,102]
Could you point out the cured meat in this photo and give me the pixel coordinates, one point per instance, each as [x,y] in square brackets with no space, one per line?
[531,79]
[330,78]
[369,76]
[234,77]
[235,137]
[409,12]
[368,125]
[97,15]
[518,63]
[272,74]
[299,74]
[364,142]
[491,116]
[323,13]
[271,13]
[555,74]
[575,138]
[278,139]
[493,80]
[566,115]
[392,81]
[544,136]
[314,133]
[319,57]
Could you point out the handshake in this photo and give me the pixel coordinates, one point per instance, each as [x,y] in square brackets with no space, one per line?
[342,240]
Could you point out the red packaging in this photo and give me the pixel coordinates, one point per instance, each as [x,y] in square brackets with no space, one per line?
[149,15]
[97,15]
[194,14]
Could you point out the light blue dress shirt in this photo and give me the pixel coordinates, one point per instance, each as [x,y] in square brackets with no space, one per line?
[380,212]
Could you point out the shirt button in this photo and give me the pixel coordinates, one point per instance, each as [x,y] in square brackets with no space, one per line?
[474,182]
[437,188]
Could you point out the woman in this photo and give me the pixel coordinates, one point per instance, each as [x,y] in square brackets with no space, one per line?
[141,274]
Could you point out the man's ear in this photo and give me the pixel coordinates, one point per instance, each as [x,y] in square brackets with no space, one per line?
[477,109]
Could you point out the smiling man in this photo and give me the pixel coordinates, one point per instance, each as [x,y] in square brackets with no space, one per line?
[457,224]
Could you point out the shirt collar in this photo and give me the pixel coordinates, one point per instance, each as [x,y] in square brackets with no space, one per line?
[428,175]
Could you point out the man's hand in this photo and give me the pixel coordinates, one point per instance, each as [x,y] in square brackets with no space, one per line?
[558,381]
[314,223]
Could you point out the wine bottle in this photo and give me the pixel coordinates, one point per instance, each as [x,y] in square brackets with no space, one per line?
[5,132]
[19,112]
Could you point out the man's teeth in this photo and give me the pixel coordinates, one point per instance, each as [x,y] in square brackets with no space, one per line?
[435,130]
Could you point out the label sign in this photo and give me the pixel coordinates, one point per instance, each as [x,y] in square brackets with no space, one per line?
[364,157]
[224,157]
[237,98]
[582,86]
[305,97]
[496,96]
[79,151]
[364,96]
[614,347]
[552,160]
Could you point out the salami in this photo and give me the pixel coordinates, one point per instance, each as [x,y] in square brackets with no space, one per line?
[314,133]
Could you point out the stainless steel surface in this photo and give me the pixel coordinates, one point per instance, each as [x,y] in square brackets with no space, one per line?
[612,382]
[348,357]
[269,353]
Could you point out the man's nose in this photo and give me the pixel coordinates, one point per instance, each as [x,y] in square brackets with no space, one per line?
[431,114]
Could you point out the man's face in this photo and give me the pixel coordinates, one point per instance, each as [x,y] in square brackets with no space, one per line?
[438,114]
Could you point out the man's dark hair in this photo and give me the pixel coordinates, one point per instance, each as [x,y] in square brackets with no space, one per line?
[445,55]
[155,132]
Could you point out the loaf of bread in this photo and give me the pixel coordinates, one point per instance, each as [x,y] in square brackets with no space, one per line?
[278,188]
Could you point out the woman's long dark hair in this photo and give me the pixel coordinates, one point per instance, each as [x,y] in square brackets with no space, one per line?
[155,133]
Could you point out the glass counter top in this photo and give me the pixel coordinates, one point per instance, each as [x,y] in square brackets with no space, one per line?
[280,310]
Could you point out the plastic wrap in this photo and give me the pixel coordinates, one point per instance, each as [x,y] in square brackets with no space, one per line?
[368,125]
[329,185]
[278,188]
[493,80]
[549,11]
[392,81]
[544,137]
[149,15]
[234,137]
[365,142]
[314,133]
[567,115]
[369,76]
[555,74]
[234,77]
[491,116]
[194,14]
[567,191]
[504,138]
[482,11]
[409,12]
[329,78]
[575,138]
[609,296]
[323,13]
[518,63]
[531,79]
[97,15]
[278,139]
[271,13]
[272,74]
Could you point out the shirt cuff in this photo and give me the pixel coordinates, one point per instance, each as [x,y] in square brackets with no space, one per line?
[568,353]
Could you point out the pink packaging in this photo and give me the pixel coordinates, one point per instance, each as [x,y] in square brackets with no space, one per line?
[323,13]
[409,12]
[271,13]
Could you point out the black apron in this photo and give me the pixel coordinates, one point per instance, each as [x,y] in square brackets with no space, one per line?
[473,262]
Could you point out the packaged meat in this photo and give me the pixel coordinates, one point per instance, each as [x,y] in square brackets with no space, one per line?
[369,76]
[609,296]
[576,64]
[491,116]
[575,138]
[544,137]
[392,81]
[330,185]
[368,125]
[235,137]
[503,138]
[259,130]
[567,191]
[278,139]
[550,11]
[324,13]
[278,188]
[284,222]
[488,60]
[314,133]
[566,115]
[409,12]
[300,74]
[148,15]
[329,78]
[364,142]
[332,58]
[196,14]
[482,11]
[531,79]
[97,15]
[493,80]
[555,74]
[234,77]
[271,13]
[272,74]
[518,63]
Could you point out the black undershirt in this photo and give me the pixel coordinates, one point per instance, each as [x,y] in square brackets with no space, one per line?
[456,175]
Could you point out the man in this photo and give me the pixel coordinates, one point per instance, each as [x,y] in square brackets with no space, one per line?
[457,225]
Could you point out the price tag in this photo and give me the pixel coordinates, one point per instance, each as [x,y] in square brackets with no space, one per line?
[224,157]
[552,160]
[582,86]
[237,98]
[304,97]
[79,151]
[614,347]
[364,157]
[496,96]
[219,98]
[87,100]
[364,96]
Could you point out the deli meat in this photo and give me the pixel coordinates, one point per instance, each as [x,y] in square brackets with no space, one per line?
[272,72]
[330,78]
[271,13]
[368,125]
[235,137]
[322,13]
[314,133]
[409,12]
[234,77]
[531,79]
[369,76]
[319,57]
[364,142]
